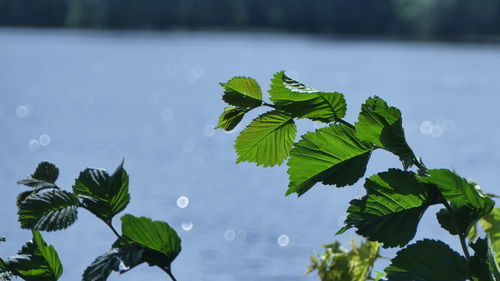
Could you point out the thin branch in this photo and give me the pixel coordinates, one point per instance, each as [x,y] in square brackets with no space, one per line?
[342,121]
[167,270]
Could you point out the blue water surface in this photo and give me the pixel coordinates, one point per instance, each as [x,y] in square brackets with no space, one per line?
[89,99]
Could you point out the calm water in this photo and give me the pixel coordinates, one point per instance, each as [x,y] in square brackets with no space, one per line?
[89,99]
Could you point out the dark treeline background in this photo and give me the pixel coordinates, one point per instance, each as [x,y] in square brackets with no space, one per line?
[412,19]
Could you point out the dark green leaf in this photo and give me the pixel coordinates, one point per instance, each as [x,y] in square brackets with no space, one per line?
[483,264]
[428,260]
[331,155]
[382,125]
[2,239]
[305,102]
[45,176]
[458,190]
[117,259]
[104,195]
[391,209]
[242,92]
[49,211]
[37,261]
[267,140]
[230,118]
[154,235]
[465,217]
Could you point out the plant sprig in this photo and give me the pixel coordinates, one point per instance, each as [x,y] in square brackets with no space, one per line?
[338,155]
[47,207]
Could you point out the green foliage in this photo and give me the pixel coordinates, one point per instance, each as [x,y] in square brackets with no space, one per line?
[242,92]
[395,200]
[331,155]
[153,235]
[230,118]
[336,264]
[45,175]
[428,260]
[49,211]
[267,140]
[47,207]
[305,102]
[483,262]
[103,195]
[36,261]
[382,126]
[391,209]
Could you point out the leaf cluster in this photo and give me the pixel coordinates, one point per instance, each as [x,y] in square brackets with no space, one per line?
[47,207]
[395,200]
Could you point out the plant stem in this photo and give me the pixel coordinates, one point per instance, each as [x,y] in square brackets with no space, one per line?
[110,225]
[460,234]
[342,121]
[167,270]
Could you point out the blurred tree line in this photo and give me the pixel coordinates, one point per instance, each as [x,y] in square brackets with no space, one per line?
[415,19]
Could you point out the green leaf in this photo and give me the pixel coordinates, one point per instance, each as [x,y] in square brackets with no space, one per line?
[491,225]
[267,140]
[331,155]
[243,92]
[428,260]
[465,218]
[382,125]
[45,175]
[305,102]
[119,259]
[154,235]
[483,263]
[391,209]
[104,195]
[230,118]
[339,265]
[37,261]
[458,190]
[48,211]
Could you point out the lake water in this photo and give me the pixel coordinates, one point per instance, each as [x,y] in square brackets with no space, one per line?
[88,99]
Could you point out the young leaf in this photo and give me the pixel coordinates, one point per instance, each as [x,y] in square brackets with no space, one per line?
[45,175]
[305,102]
[230,118]
[267,140]
[119,259]
[331,155]
[428,260]
[491,225]
[338,264]
[458,190]
[49,211]
[154,235]
[103,195]
[465,217]
[382,125]
[391,209]
[242,92]
[483,263]
[37,261]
